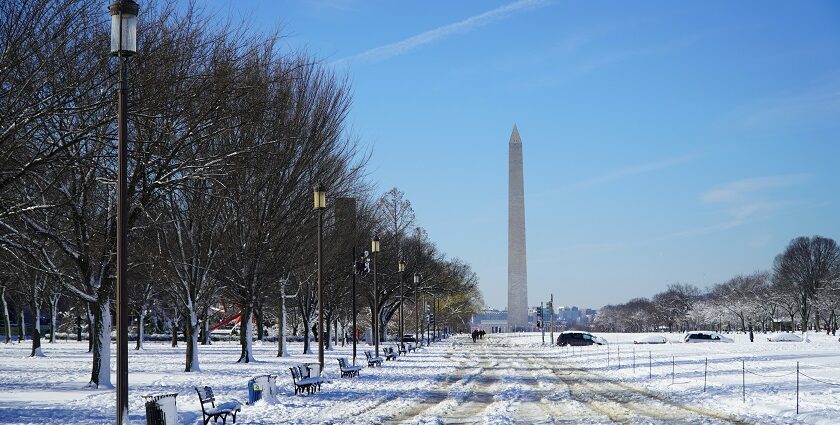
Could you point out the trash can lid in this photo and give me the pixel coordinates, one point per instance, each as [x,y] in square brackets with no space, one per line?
[152,397]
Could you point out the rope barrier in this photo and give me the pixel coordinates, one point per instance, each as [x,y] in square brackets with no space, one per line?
[689,371]
[592,357]
[820,380]
[770,376]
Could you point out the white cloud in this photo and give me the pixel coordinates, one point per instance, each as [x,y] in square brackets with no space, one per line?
[743,201]
[633,170]
[739,191]
[403,46]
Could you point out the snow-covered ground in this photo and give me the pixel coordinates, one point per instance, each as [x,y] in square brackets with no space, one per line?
[762,372]
[506,378]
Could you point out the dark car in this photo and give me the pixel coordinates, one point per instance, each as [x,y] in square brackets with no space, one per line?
[578,338]
[409,338]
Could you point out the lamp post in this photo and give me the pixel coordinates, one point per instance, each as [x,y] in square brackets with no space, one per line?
[320,202]
[401,268]
[374,249]
[417,337]
[123,45]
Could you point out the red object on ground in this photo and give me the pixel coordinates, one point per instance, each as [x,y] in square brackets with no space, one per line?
[225,321]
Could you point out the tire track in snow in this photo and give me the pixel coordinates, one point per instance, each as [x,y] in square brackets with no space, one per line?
[463,401]
[384,404]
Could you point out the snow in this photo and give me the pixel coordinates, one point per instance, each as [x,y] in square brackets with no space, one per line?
[785,337]
[504,378]
[650,339]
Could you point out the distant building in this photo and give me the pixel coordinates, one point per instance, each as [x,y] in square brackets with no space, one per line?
[572,316]
[491,320]
[494,321]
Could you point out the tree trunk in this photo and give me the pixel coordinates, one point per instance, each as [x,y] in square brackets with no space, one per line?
[327,332]
[53,316]
[307,349]
[36,312]
[205,328]
[174,334]
[804,312]
[816,320]
[21,326]
[246,336]
[191,338]
[282,350]
[260,324]
[141,329]
[7,322]
[91,330]
[100,376]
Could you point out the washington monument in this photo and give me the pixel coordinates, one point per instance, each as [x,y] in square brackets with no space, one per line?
[517,267]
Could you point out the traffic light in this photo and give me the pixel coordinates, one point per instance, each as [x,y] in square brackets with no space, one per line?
[539,312]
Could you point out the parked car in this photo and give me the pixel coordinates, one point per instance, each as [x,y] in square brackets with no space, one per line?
[650,339]
[409,338]
[578,338]
[784,337]
[705,336]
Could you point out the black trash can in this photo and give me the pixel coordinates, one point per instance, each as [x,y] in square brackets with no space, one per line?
[161,409]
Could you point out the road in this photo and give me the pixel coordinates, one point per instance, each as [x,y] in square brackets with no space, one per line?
[497,382]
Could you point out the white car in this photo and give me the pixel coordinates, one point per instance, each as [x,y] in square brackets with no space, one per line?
[706,336]
[784,337]
[650,339]
[599,340]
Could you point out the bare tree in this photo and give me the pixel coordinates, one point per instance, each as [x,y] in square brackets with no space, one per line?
[808,265]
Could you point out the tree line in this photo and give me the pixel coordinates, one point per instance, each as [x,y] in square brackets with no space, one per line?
[228,133]
[800,292]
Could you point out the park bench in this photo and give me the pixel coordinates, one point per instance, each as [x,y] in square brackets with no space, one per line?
[389,353]
[347,369]
[402,349]
[373,361]
[205,396]
[303,381]
[411,347]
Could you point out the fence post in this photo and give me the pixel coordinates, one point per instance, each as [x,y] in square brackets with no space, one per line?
[608,356]
[634,360]
[673,368]
[743,381]
[797,388]
[705,370]
[619,357]
[650,365]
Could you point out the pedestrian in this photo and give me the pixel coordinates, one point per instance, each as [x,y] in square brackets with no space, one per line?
[751,333]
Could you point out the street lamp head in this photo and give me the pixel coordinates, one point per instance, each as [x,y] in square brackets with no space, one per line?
[123,27]
[416,278]
[320,197]
[374,245]
[401,265]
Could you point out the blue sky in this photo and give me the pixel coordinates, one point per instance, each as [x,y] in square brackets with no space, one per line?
[663,141]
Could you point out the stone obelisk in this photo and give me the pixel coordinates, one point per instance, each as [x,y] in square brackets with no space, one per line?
[517,265]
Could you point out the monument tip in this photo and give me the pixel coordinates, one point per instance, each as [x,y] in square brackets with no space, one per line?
[514,135]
